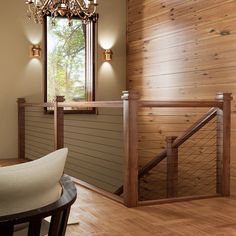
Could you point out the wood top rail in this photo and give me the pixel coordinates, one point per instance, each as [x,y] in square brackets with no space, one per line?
[199,103]
[111,104]
[119,104]
[96,104]
[37,104]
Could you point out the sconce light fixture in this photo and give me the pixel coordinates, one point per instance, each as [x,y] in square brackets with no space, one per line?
[107,53]
[35,51]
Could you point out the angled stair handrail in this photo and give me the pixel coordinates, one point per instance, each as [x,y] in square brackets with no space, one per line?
[206,118]
[179,141]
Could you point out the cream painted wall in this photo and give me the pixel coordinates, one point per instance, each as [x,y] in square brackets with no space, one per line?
[112,34]
[20,77]
[23,77]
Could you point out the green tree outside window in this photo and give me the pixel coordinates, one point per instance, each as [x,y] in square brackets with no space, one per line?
[67,60]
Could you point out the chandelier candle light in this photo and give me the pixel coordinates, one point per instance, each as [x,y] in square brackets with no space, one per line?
[84,9]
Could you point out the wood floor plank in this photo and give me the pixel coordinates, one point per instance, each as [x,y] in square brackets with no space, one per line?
[101,216]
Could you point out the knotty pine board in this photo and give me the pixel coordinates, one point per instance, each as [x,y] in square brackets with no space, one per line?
[179,50]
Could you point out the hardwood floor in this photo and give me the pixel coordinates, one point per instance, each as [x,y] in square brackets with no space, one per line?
[101,216]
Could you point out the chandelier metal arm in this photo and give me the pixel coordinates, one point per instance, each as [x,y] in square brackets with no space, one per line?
[68,8]
[84,9]
[45,4]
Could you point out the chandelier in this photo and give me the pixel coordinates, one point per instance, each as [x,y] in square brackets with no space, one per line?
[84,9]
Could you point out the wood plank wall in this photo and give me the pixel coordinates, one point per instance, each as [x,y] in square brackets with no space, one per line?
[95,144]
[181,50]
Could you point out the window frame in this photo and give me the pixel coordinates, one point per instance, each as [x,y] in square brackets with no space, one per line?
[91,59]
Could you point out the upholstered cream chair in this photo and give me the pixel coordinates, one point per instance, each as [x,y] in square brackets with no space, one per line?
[31,185]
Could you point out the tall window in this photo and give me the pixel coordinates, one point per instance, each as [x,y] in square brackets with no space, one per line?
[69,60]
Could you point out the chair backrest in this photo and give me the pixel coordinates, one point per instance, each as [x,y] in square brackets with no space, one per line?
[59,212]
[31,185]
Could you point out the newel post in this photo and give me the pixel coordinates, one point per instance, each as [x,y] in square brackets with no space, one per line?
[130,110]
[21,128]
[58,123]
[223,144]
[172,167]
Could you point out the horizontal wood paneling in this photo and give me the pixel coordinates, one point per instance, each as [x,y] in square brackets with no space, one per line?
[95,144]
[39,134]
[179,50]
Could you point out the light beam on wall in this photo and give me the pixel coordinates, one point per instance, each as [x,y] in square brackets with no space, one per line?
[33,32]
[34,67]
[107,70]
[107,41]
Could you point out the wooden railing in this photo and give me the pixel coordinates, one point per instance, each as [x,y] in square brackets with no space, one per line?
[220,108]
[58,108]
[131,104]
[175,143]
[58,122]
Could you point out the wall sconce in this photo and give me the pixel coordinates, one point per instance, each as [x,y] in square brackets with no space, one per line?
[35,51]
[107,53]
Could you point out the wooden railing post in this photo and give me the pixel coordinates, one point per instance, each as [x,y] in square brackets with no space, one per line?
[130,109]
[172,167]
[21,128]
[58,124]
[223,144]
